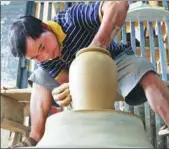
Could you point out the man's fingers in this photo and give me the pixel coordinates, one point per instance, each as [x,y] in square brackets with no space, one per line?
[62,95]
[60,88]
[65,102]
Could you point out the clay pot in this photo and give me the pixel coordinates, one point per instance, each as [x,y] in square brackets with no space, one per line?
[94,129]
[93,79]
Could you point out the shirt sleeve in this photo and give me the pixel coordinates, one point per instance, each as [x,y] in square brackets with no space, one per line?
[42,78]
[87,16]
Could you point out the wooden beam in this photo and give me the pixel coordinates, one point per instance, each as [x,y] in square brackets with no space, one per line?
[20,95]
[11,110]
[14,127]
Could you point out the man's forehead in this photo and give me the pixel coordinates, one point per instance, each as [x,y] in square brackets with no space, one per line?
[32,45]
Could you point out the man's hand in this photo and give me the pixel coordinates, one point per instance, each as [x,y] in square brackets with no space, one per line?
[61,95]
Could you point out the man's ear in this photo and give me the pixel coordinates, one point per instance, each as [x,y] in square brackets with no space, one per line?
[45,26]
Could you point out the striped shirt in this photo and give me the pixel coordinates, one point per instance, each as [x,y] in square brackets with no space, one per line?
[80,23]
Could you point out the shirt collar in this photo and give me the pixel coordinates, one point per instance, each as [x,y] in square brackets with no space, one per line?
[57,30]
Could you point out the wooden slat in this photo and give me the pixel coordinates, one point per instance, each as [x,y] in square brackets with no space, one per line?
[165,4]
[124,39]
[116,39]
[37,8]
[167,38]
[40,14]
[53,9]
[159,122]
[153,3]
[117,105]
[45,11]
[133,41]
[160,141]
[142,40]
[128,108]
[57,7]
[150,123]
[66,5]
[151,41]
[162,52]
[119,37]
[49,11]
[139,111]
[62,5]
[130,1]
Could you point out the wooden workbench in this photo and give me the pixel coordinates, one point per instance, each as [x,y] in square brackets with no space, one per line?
[14,109]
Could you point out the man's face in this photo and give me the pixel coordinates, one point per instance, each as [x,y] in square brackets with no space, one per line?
[44,48]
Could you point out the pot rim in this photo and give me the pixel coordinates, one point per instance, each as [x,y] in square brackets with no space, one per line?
[90,49]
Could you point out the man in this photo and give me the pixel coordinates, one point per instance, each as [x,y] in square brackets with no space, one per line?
[54,44]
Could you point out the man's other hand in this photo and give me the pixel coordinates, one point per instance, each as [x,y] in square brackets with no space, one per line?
[61,95]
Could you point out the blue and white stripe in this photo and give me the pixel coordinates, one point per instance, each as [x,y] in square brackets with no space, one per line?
[80,23]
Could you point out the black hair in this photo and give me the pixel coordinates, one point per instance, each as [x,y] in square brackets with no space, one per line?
[25,26]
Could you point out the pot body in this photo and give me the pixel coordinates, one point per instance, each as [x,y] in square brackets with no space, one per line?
[94,129]
[93,79]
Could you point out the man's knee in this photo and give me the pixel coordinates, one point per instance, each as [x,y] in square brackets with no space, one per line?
[156,91]
[149,78]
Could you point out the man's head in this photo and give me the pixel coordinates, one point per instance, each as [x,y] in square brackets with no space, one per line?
[31,38]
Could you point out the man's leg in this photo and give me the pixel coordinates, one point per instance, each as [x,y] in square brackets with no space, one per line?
[138,82]
[157,94]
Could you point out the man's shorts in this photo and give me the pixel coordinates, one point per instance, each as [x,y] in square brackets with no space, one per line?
[131,69]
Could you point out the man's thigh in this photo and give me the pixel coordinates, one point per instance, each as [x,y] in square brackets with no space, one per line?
[131,69]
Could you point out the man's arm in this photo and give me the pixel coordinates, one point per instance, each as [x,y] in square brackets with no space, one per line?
[41,100]
[114,15]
